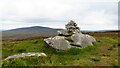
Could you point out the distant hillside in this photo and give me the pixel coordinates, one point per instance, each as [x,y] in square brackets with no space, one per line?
[22,33]
[39,31]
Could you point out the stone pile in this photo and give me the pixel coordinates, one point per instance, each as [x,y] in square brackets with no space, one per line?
[70,37]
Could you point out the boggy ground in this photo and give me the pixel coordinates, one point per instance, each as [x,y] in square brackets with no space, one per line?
[103,53]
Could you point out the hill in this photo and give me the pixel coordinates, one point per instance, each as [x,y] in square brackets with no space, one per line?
[22,33]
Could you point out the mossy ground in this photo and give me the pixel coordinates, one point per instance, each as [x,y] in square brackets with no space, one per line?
[103,53]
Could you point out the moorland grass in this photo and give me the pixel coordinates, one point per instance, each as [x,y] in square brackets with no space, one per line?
[90,56]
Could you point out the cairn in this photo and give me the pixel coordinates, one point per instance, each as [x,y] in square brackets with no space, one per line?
[70,37]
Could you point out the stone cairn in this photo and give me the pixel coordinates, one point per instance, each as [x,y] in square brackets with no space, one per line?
[70,37]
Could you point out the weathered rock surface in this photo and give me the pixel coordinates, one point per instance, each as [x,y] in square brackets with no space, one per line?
[58,42]
[25,54]
[82,40]
[70,37]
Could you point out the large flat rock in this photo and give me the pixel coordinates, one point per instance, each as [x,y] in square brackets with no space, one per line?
[82,40]
[58,42]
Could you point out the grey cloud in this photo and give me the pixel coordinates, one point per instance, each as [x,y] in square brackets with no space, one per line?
[70,12]
[34,20]
[38,20]
[109,7]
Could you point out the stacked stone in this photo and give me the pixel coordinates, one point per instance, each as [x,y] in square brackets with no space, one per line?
[72,27]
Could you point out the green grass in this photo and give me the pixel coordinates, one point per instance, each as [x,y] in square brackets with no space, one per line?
[91,56]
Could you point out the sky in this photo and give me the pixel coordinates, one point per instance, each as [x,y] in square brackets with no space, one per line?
[88,14]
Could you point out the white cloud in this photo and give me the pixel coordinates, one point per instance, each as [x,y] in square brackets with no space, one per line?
[89,14]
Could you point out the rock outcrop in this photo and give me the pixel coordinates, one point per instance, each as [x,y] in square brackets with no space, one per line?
[70,37]
[25,54]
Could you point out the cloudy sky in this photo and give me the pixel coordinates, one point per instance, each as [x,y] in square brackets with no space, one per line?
[88,14]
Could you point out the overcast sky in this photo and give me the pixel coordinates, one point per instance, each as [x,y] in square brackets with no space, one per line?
[88,14]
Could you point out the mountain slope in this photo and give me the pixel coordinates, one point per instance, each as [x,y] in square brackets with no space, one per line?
[22,33]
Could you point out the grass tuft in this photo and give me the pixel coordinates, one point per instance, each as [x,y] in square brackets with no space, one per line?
[95,59]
